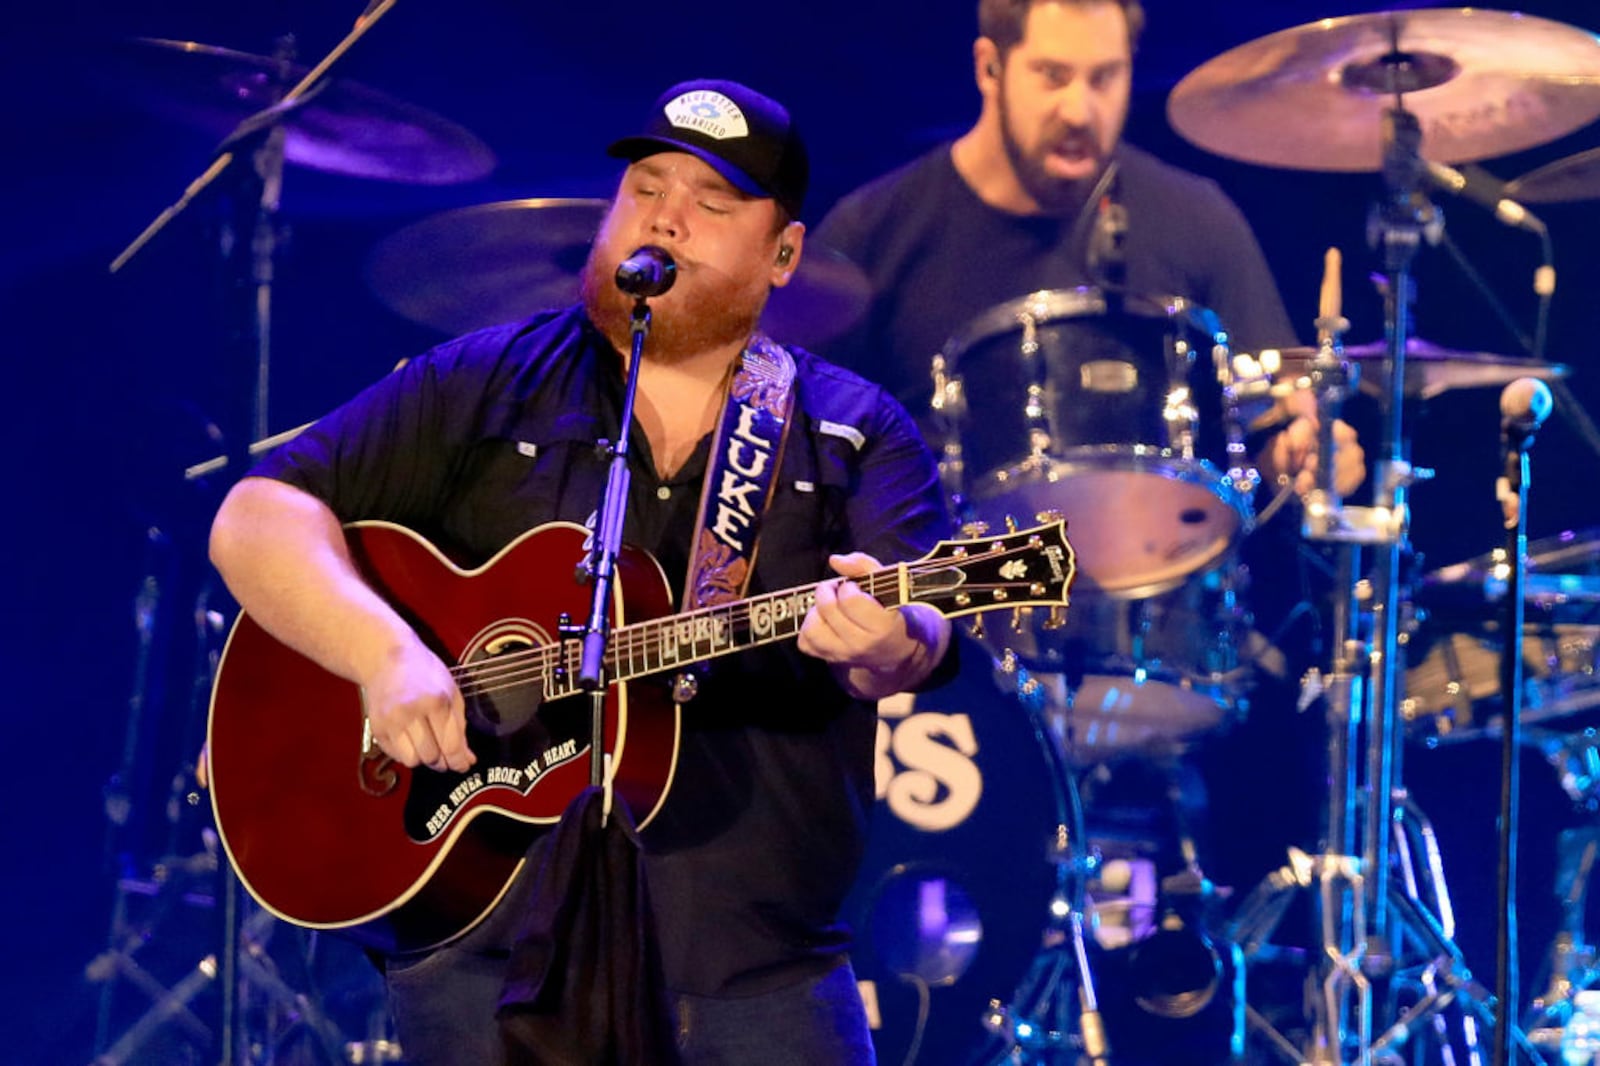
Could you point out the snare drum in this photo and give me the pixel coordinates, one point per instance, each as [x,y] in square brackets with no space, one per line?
[1120,418]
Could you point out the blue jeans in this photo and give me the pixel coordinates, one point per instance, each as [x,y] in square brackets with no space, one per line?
[819,1022]
[444,1007]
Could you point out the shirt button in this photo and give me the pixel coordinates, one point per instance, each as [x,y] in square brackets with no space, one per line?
[663,493]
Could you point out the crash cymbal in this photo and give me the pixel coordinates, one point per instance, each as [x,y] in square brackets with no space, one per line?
[1481,83]
[478,266]
[342,127]
[1577,177]
[1430,369]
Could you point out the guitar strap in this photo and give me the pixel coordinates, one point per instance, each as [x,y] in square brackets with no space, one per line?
[740,475]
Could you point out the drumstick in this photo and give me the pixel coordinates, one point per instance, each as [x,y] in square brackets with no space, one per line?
[1330,319]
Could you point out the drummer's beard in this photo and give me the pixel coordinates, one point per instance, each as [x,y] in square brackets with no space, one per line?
[1055,195]
[704,310]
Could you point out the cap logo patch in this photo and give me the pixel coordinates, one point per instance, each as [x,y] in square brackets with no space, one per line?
[709,113]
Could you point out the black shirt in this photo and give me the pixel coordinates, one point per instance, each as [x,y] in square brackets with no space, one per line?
[938,257]
[489,435]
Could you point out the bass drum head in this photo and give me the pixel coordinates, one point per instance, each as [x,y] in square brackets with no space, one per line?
[954,895]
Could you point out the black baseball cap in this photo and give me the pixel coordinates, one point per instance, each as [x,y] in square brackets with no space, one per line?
[746,137]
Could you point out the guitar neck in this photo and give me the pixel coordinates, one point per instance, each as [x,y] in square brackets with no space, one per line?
[678,640]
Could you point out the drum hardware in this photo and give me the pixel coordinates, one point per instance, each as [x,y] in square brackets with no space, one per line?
[1572,960]
[482,265]
[950,941]
[269,123]
[1366,919]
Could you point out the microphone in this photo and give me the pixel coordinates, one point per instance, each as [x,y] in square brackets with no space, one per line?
[1524,405]
[1483,189]
[1108,256]
[650,271]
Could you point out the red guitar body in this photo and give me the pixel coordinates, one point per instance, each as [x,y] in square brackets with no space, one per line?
[327,832]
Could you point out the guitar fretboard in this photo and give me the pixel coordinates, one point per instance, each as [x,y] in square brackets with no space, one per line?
[679,640]
[674,641]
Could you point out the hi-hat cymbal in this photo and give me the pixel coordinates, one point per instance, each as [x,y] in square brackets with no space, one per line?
[1562,579]
[1481,84]
[1430,369]
[478,266]
[344,128]
[1577,177]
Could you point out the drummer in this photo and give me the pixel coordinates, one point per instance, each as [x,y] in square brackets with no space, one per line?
[1033,196]
[1029,199]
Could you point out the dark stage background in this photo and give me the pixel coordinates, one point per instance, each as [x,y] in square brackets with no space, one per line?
[111,382]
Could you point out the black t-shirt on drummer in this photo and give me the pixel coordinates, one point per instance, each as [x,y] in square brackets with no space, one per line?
[938,258]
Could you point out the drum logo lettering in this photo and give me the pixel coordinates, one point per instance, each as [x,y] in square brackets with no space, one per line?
[926,770]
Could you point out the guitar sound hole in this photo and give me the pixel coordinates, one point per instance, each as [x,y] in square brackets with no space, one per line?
[506,699]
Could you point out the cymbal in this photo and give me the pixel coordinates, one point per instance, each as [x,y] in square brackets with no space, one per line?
[477,266]
[1430,369]
[1481,83]
[1562,579]
[343,127]
[1577,177]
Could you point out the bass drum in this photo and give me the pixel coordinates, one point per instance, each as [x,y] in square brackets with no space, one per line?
[968,854]
[954,896]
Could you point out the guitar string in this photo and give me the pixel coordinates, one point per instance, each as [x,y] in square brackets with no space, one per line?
[513,668]
[517,668]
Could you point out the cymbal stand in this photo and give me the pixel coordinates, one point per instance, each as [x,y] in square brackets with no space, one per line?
[1368,916]
[249,245]
[1037,1027]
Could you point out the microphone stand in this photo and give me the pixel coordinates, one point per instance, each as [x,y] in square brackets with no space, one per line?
[601,564]
[1513,493]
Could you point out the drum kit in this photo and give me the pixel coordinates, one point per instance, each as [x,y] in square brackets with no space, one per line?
[1129,414]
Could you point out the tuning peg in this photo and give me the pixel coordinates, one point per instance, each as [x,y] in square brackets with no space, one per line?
[974,529]
[1048,516]
[1016,619]
[1056,619]
[1011,524]
[976,629]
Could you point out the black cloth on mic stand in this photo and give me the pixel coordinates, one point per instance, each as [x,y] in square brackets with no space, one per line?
[584,984]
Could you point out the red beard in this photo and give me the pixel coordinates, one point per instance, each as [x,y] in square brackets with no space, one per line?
[701,313]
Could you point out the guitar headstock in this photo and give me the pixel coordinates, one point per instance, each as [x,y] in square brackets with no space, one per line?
[1020,568]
